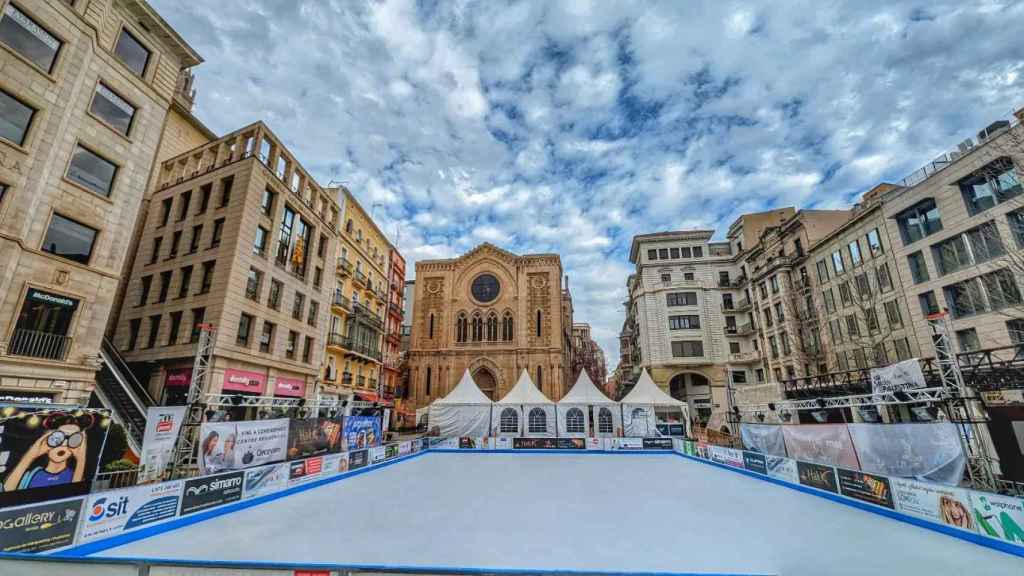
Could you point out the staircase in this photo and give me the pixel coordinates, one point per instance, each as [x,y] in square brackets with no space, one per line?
[118,390]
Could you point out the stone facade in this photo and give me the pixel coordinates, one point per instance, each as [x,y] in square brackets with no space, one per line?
[463,319]
[40,179]
[587,355]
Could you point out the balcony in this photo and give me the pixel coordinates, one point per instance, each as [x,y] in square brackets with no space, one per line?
[340,301]
[373,383]
[360,381]
[360,277]
[36,344]
[335,340]
[745,357]
[739,281]
[741,330]
[346,378]
[344,267]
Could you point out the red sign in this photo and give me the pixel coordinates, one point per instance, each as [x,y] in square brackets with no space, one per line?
[180,378]
[293,387]
[312,573]
[166,423]
[314,465]
[244,381]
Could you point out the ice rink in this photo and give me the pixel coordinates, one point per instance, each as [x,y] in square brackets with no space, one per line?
[628,512]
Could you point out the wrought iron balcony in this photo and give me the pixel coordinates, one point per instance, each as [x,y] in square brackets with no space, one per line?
[745,357]
[360,277]
[346,378]
[344,267]
[341,301]
[36,344]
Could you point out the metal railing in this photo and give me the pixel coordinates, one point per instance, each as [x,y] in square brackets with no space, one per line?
[335,339]
[37,344]
[116,479]
[360,277]
[341,301]
[344,266]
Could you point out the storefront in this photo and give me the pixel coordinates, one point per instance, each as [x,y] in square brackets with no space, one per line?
[43,326]
[176,384]
[241,383]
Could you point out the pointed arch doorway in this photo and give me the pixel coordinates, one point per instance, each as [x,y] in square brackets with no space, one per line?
[486,382]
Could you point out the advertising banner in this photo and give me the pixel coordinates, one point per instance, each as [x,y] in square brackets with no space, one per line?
[47,453]
[265,480]
[897,377]
[332,464]
[503,443]
[162,425]
[404,448]
[358,459]
[755,462]
[657,443]
[237,445]
[763,438]
[549,443]
[667,429]
[390,451]
[817,476]
[865,487]
[923,450]
[727,456]
[941,504]
[424,443]
[702,450]
[211,491]
[301,471]
[362,432]
[111,513]
[313,436]
[244,381]
[39,527]
[342,462]
[999,516]
[595,443]
[469,443]
[821,443]
[782,469]
[377,454]
[627,443]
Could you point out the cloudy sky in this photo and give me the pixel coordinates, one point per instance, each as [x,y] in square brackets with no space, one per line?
[569,127]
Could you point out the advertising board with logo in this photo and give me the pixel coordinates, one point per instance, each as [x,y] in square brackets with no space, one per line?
[211,491]
[265,480]
[727,456]
[362,432]
[817,476]
[332,464]
[358,459]
[947,505]
[391,451]
[503,443]
[314,436]
[755,462]
[306,470]
[162,425]
[657,443]
[865,487]
[377,454]
[343,465]
[404,448]
[999,516]
[39,527]
[469,443]
[237,445]
[627,443]
[548,444]
[595,443]
[110,513]
[782,468]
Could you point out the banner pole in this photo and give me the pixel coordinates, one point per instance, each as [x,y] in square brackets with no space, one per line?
[103,446]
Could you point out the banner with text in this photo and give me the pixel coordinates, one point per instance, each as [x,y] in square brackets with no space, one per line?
[39,527]
[821,443]
[999,516]
[265,480]
[211,491]
[362,432]
[817,476]
[865,487]
[947,505]
[237,445]
[898,377]
[314,436]
[162,426]
[782,468]
[111,513]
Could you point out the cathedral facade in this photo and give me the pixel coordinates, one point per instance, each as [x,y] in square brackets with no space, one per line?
[494,313]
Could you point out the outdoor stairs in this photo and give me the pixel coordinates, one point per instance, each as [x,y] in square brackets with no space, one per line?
[119,390]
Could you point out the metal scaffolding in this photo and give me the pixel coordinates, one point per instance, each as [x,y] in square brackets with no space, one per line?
[184,463]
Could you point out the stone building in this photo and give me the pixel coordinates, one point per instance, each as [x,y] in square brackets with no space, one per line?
[391,375]
[85,90]
[587,355]
[494,313]
[242,238]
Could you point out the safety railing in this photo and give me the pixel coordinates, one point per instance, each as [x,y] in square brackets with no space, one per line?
[38,344]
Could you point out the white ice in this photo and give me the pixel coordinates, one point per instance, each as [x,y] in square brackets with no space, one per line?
[576,512]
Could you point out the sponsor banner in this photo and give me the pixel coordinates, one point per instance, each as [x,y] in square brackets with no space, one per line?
[301,471]
[313,436]
[865,487]
[999,516]
[390,451]
[424,444]
[549,443]
[237,445]
[289,387]
[362,432]
[817,476]
[947,505]
[469,443]
[244,381]
[822,443]
[727,456]
[377,454]
[627,443]
[404,448]
[444,442]
[658,443]
[702,450]
[358,459]
[782,468]
[898,377]
[763,438]
[117,511]
[755,462]
[179,378]
[211,491]
[672,429]
[48,453]
[503,443]
[690,447]
[342,463]
[595,443]
[162,426]
[39,527]
[332,464]
[265,480]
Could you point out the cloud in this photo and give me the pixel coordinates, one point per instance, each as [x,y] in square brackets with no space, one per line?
[570,126]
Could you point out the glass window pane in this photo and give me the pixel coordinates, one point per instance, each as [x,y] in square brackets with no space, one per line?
[92,171]
[69,239]
[29,39]
[132,53]
[15,118]
[113,109]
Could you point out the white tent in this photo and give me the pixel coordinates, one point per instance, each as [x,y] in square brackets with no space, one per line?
[465,411]
[638,407]
[524,411]
[574,411]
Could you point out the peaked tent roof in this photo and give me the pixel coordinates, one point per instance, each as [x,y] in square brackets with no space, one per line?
[466,392]
[585,392]
[524,392]
[647,392]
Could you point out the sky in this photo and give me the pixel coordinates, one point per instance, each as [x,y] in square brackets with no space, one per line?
[570,127]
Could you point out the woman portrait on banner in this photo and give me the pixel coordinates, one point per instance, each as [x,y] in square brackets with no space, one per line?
[955,513]
[48,460]
[215,458]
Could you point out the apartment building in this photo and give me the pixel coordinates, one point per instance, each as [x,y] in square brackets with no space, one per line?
[242,238]
[358,306]
[587,355]
[391,369]
[85,90]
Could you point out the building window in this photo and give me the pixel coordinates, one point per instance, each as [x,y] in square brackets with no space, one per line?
[852,326]
[773,343]
[540,377]
[688,276]
[314,311]
[929,304]
[218,232]
[918,267]
[92,171]
[15,118]
[165,286]
[154,330]
[871,320]
[321,246]
[293,342]
[774,283]
[687,322]
[854,249]
[69,239]
[666,278]
[837,262]
[274,298]
[133,333]
[307,349]
[902,348]
[863,286]
[780,314]
[574,422]
[172,334]
[112,109]
[146,282]
[836,331]
[1015,328]
[822,271]
[318,277]
[267,202]
[298,305]
[681,299]
[267,338]
[244,328]
[975,246]
[883,277]
[830,300]
[604,421]
[874,243]
[845,295]
[698,251]
[539,318]
[688,348]
[1001,288]
[768,321]
[193,243]
[130,51]
[538,421]
[175,241]
[919,221]
[507,327]
[430,328]
[784,339]
[427,378]
[892,314]
[186,281]
[509,421]
[663,254]
[198,315]
[207,280]
[492,327]
[204,197]
[723,278]
[253,283]
[259,246]
[674,253]
[965,298]
[993,184]
[226,184]
[968,340]
[687,252]
[734,347]
[26,37]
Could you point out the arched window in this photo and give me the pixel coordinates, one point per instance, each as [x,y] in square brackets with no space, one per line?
[506,327]
[604,421]
[574,423]
[538,323]
[348,226]
[461,328]
[492,327]
[428,380]
[538,421]
[509,421]
[430,334]
[540,377]
[478,327]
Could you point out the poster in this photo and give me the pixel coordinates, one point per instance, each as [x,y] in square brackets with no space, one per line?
[390,451]
[237,445]
[111,513]
[690,447]
[342,462]
[468,443]
[702,450]
[48,453]
[332,463]
[377,454]
[897,377]
[782,468]
[162,426]
[549,444]
[931,451]
[755,462]
[999,516]
[821,443]
[947,505]
[763,438]
[211,491]
[865,487]
[302,471]
[657,443]
[265,480]
[404,448]
[503,443]
[39,527]
[313,436]
[627,443]
[727,456]
[595,443]
[357,459]
[424,443]
[362,432]
[817,476]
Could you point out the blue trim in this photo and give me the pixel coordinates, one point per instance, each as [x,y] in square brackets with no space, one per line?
[973,537]
[83,550]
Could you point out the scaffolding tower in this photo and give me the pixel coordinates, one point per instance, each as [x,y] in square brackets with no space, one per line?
[184,463]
